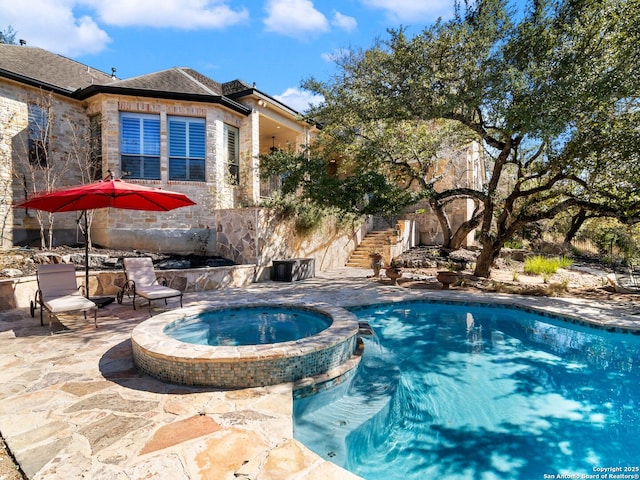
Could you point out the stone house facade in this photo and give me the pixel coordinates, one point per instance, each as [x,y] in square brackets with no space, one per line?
[64,123]
[456,167]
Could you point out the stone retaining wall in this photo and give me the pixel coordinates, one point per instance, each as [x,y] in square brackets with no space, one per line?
[19,292]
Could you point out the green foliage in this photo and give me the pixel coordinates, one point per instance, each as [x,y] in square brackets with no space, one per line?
[515,243]
[551,92]
[612,238]
[307,216]
[545,266]
[306,174]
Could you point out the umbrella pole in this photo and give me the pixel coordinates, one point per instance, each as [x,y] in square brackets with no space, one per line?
[86,254]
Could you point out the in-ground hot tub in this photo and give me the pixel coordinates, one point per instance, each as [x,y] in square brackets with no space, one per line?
[232,365]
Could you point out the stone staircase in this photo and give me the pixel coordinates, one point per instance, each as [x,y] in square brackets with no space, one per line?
[375,241]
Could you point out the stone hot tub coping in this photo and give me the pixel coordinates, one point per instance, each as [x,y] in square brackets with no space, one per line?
[173,361]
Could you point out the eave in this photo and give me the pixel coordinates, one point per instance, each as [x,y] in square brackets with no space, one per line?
[16,77]
[88,92]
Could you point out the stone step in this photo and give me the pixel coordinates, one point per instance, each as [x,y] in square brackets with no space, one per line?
[374,241]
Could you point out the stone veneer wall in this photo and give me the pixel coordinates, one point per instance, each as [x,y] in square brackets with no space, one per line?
[457,167]
[428,227]
[19,292]
[184,230]
[258,236]
[67,126]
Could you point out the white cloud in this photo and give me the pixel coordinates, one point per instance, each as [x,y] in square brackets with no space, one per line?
[294,18]
[183,14]
[344,22]
[73,27]
[298,99]
[412,11]
[53,26]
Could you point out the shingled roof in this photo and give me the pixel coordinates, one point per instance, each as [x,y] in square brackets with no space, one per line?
[41,68]
[177,80]
[35,65]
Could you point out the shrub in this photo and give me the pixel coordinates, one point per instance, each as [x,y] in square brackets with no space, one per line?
[307,216]
[539,265]
[515,244]
[614,239]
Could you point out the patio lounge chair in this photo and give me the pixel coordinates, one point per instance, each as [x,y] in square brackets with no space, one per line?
[58,292]
[143,282]
[626,281]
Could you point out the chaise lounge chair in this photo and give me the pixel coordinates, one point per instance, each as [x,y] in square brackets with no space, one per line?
[58,292]
[143,282]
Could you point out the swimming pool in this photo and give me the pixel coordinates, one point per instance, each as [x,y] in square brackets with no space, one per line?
[458,391]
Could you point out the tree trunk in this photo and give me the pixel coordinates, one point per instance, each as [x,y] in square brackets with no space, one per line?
[576,222]
[445,225]
[485,261]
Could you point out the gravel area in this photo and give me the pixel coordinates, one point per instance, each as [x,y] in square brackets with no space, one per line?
[8,468]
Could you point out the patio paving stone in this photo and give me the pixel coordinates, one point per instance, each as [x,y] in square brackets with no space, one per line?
[73,405]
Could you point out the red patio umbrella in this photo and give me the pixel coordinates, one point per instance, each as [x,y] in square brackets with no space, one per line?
[106,194]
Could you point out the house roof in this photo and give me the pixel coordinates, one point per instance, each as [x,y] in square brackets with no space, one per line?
[179,80]
[41,68]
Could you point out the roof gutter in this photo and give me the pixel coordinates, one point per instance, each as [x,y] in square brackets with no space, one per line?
[83,94]
[16,77]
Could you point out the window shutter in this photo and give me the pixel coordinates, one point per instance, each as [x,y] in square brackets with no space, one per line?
[232,145]
[151,136]
[37,122]
[140,145]
[196,139]
[130,144]
[177,138]
[187,147]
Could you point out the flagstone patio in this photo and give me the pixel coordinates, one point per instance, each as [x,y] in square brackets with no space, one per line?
[73,405]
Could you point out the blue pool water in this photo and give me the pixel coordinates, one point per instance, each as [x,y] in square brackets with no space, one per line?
[248,325]
[472,392]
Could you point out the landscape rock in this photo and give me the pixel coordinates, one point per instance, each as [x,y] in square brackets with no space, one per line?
[11,273]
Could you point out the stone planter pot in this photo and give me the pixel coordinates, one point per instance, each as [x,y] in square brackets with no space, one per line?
[446,278]
[376,264]
[393,273]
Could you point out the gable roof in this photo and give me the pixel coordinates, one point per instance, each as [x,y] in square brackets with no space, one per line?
[43,69]
[39,67]
[179,80]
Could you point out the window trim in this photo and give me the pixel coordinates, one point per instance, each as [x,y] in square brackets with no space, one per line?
[232,158]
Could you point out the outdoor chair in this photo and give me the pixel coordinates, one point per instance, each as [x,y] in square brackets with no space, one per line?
[626,281]
[58,292]
[142,281]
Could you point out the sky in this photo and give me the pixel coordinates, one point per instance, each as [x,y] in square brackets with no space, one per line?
[275,43]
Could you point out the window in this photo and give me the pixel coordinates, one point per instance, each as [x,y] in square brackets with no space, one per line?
[38,130]
[95,147]
[232,149]
[140,146]
[186,148]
